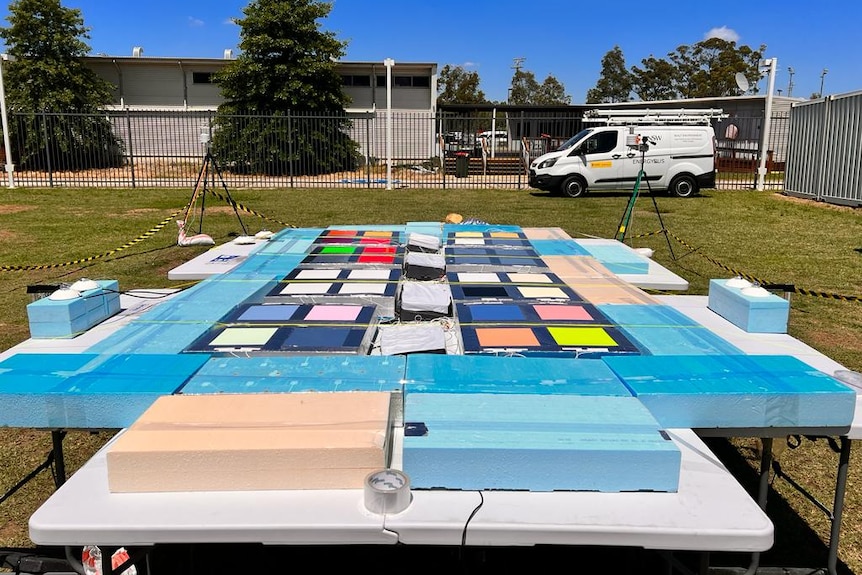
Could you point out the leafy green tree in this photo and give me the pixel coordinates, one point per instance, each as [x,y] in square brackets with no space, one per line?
[455,85]
[708,68]
[615,82]
[284,105]
[655,81]
[46,76]
[552,93]
[526,91]
[523,88]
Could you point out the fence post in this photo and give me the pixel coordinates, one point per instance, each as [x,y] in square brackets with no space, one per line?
[131,147]
[289,149]
[47,149]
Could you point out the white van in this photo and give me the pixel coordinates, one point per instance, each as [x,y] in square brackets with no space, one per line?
[676,158]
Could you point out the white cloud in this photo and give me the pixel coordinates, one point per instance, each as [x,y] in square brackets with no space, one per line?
[469,64]
[195,22]
[724,33]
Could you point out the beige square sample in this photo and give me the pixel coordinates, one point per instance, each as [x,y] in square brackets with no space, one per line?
[242,442]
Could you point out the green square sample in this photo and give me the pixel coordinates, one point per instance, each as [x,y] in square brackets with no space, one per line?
[338,250]
[587,336]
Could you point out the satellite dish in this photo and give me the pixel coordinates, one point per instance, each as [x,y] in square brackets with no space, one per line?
[742,82]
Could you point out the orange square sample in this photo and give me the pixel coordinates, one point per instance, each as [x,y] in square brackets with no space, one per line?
[506,337]
[242,442]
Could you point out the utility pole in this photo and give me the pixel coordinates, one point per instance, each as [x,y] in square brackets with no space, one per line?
[516,64]
[790,82]
[822,77]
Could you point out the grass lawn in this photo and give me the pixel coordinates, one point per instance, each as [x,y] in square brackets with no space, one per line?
[764,235]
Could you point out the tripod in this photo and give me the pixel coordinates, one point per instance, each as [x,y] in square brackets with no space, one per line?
[209,169]
[627,214]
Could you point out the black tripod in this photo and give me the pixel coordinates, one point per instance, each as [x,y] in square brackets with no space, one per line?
[643,146]
[209,169]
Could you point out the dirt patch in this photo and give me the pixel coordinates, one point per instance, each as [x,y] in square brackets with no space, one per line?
[6,235]
[15,209]
[806,201]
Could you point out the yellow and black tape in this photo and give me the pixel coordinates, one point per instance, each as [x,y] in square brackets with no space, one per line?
[239,206]
[149,233]
[789,287]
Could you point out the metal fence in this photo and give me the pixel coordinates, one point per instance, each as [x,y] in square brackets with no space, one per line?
[129,148]
[825,155]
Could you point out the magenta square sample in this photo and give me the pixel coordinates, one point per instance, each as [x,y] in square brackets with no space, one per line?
[562,312]
[334,313]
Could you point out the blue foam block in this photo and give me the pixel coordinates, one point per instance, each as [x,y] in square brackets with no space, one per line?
[662,330]
[536,443]
[437,373]
[283,374]
[551,247]
[87,391]
[46,310]
[767,314]
[68,318]
[618,258]
[735,391]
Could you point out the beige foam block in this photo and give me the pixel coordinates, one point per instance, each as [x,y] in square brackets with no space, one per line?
[577,267]
[610,290]
[256,441]
[546,234]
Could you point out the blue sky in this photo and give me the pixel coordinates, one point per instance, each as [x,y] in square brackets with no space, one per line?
[566,39]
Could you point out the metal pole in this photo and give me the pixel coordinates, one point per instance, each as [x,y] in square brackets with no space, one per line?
[7,146]
[388,62]
[772,64]
[822,78]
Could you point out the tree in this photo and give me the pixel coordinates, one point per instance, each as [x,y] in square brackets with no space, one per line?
[615,82]
[455,85]
[278,89]
[655,81]
[526,91]
[708,68]
[46,75]
[552,93]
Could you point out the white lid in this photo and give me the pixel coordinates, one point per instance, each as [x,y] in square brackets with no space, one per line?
[64,294]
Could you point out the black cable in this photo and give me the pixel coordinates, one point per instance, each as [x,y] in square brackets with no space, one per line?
[473,514]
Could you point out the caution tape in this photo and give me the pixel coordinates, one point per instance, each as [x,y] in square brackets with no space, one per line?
[149,233]
[760,281]
[239,206]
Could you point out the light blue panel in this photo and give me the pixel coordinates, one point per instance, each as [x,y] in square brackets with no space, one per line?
[618,258]
[286,246]
[429,228]
[437,373]
[289,233]
[662,330]
[731,391]
[283,374]
[87,391]
[753,314]
[148,337]
[270,265]
[537,443]
[558,248]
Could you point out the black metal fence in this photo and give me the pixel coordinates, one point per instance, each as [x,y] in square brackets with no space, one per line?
[127,148]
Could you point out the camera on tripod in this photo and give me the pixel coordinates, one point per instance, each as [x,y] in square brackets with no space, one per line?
[638,142]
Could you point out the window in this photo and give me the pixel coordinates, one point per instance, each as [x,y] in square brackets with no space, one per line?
[202,77]
[600,143]
[355,80]
[405,81]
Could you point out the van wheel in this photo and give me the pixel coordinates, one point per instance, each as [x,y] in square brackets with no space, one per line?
[683,186]
[574,187]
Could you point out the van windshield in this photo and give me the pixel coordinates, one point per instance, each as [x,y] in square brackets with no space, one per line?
[575,139]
